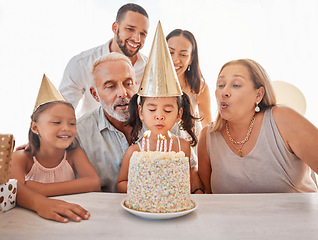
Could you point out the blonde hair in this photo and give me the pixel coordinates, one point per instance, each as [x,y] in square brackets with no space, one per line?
[260,78]
[113,56]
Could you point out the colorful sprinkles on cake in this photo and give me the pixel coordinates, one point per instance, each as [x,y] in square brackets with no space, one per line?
[159,182]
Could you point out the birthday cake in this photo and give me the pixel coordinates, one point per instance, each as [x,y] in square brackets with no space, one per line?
[159,182]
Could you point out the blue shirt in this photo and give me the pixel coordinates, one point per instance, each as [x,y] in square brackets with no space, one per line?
[104,146]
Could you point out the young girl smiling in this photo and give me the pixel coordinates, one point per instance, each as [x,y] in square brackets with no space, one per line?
[53,159]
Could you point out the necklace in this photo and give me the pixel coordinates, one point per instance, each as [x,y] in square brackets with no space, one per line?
[233,142]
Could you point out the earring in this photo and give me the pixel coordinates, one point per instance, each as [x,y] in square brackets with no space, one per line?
[257,108]
[189,68]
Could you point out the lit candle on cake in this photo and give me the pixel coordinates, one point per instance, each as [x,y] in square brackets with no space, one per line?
[143,142]
[158,142]
[148,133]
[165,144]
[161,142]
[170,145]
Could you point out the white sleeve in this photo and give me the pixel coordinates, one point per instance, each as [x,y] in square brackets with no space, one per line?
[193,158]
[71,86]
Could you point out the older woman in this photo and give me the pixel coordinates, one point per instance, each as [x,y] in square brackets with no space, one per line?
[255,146]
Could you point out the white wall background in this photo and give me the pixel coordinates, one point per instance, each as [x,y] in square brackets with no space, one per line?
[40,36]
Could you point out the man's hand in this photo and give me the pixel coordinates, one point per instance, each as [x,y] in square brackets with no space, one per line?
[23,147]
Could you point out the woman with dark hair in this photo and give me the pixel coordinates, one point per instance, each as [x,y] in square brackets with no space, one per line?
[184,52]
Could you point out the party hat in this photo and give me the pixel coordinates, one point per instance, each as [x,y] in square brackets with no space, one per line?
[47,93]
[160,78]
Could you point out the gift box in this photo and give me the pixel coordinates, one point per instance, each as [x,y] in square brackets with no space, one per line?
[8,194]
[8,187]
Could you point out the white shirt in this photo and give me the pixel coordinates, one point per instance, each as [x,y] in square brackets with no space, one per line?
[77,78]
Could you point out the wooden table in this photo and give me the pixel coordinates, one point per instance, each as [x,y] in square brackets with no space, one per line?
[232,216]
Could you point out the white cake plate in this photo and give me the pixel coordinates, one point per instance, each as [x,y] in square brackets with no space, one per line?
[149,215]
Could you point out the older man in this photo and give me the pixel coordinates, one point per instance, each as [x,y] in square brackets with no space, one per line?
[130,31]
[102,133]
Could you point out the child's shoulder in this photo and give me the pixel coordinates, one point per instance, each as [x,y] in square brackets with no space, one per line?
[75,153]
[22,157]
[134,147]
[185,146]
[182,140]
[22,154]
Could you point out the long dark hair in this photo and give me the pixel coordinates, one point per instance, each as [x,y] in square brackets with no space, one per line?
[34,140]
[194,76]
[187,119]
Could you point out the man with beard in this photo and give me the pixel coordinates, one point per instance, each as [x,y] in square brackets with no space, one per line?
[102,133]
[130,31]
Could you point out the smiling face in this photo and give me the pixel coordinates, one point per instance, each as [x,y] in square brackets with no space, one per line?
[131,33]
[115,85]
[180,50]
[235,92]
[55,126]
[160,114]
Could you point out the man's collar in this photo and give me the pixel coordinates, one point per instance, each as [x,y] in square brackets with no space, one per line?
[103,122]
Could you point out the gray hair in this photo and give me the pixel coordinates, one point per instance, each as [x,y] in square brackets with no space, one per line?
[113,56]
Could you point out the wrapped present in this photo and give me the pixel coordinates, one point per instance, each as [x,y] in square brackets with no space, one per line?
[6,148]
[8,194]
[8,188]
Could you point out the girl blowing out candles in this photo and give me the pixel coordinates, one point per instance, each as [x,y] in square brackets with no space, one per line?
[159,105]
[159,114]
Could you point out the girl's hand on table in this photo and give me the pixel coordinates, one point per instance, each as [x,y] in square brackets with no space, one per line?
[61,211]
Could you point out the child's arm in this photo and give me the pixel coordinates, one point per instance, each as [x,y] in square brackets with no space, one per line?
[122,179]
[19,165]
[50,208]
[88,181]
[196,184]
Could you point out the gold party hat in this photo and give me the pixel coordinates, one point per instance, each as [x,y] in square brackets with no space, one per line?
[47,93]
[160,78]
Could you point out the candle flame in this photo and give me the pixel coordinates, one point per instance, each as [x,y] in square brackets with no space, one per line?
[147,133]
[169,134]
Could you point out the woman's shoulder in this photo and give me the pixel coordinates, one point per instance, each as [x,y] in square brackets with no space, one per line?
[285,114]
[205,129]
[289,123]
[204,92]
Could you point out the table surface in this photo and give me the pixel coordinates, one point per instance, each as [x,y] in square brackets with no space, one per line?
[228,216]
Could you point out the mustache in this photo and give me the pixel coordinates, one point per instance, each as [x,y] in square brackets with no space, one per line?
[122,101]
